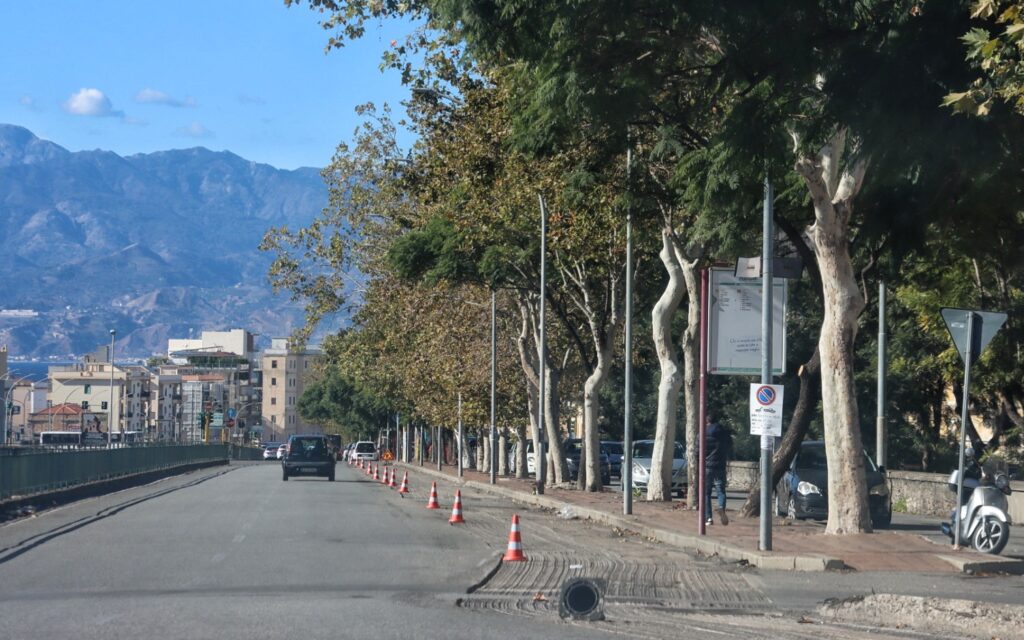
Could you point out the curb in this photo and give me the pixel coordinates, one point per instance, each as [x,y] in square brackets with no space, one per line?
[705,546]
[993,565]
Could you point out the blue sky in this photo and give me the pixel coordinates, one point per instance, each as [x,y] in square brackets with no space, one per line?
[248,76]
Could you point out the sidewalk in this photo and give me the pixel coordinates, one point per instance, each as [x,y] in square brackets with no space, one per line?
[796,546]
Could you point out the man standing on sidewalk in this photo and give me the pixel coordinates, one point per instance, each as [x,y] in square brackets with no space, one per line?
[717,447]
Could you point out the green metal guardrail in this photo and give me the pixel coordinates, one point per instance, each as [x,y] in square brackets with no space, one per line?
[29,471]
[246,453]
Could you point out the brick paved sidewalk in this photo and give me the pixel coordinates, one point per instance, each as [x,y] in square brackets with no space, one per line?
[796,545]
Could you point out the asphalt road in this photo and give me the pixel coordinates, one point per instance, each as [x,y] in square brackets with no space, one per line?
[237,553]
[234,552]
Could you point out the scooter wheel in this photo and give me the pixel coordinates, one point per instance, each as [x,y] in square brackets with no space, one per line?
[991,536]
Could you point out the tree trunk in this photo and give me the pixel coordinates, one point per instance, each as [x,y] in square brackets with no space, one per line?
[604,340]
[503,452]
[832,194]
[659,486]
[691,375]
[484,452]
[810,378]
[528,363]
[556,456]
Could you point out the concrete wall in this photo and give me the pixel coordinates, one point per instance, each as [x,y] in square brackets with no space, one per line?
[922,493]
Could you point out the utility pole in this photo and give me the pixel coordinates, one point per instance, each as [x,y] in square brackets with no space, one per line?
[767,304]
[110,402]
[880,435]
[494,383]
[626,464]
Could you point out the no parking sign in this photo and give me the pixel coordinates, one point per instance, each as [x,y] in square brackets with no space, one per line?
[766,409]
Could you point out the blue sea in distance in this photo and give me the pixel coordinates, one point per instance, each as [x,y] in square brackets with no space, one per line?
[34,370]
[41,370]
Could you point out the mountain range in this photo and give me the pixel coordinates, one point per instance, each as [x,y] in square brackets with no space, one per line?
[154,245]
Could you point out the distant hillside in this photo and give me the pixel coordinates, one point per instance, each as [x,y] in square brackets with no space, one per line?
[150,244]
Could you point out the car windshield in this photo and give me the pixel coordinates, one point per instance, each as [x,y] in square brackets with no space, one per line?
[814,457]
[573,446]
[365,447]
[308,446]
[613,448]
[646,450]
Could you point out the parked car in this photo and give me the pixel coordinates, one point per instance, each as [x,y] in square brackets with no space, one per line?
[614,451]
[643,451]
[573,448]
[803,491]
[308,455]
[281,451]
[365,450]
[270,450]
[346,454]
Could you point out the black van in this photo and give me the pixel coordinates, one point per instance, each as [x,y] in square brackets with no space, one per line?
[308,455]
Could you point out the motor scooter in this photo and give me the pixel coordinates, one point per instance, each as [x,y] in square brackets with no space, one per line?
[984,514]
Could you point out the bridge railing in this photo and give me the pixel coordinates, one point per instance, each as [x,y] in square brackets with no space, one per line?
[31,471]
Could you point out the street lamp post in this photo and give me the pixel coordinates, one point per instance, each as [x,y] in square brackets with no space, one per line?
[9,410]
[110,401]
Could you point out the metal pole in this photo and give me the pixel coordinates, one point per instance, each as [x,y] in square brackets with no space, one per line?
[540,460]
[626,467]
[702,409]
[964,417]
[110,402]
[767,304]
[881,452]
[459,448]
[494,387]
[439,448]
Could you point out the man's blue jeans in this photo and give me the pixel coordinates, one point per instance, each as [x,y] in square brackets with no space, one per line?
[715,478]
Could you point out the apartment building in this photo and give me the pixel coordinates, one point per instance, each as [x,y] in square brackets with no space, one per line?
[285,371]
[98,387]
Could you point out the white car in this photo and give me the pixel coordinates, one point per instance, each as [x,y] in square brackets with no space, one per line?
[642,453]
[282,451]
[364,450]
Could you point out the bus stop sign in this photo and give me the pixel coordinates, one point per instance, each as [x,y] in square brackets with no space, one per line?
[986,325]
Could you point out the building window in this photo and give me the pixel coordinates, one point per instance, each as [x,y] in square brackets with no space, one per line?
[273,401]
[88,388]
[305,365]
[273,364]
[273,382]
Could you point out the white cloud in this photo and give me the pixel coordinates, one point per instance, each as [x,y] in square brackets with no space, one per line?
[153,96]
[91,102]
[29,103]
[194,130]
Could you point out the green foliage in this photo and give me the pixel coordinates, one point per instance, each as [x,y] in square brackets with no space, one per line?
[996,51]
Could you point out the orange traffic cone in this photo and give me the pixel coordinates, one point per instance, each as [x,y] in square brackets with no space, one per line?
[515,544]
[457,509]
[384,477]
[432,502]
[405,483]
[376,476]
[391,481]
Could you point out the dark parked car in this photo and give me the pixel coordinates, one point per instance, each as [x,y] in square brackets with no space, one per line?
[573,447]
[308,455]
[614,451]
[803,491]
